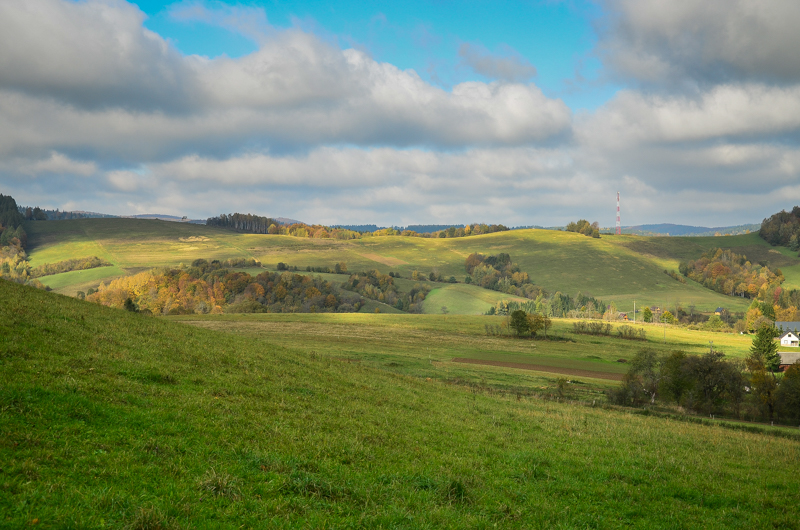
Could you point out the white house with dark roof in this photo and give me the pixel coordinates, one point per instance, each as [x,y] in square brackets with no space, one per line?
[790,338]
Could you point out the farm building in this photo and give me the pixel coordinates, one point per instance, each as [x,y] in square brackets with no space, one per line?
[789,338]
[788,359]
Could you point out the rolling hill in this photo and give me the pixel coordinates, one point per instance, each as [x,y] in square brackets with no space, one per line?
[115,419]
[622,269]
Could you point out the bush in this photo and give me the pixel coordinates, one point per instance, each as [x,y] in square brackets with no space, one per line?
[631,333]
[591,328]
[629,393]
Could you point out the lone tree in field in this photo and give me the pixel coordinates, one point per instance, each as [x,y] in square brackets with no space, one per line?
[535,322]
[519,323]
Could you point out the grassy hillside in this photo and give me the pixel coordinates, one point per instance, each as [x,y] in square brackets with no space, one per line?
[463,299]
[614,268]
[112,419]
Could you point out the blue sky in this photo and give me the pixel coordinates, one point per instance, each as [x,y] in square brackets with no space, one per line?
[396,113]
[557,38]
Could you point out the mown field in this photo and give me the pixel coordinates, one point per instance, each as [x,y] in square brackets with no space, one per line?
[112,419]
[624,269]
[427,345]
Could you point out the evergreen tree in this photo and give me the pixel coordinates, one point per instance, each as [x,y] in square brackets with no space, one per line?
[764,349]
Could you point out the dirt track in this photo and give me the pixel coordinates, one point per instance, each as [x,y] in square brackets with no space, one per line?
[541,368]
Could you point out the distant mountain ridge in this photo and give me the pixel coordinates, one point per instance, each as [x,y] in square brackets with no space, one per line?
[687,230]
[165,217]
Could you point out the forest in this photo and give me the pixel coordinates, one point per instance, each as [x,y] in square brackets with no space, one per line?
[208,287]
[11,231]
[732,274]
[500,273]
[783,229]
[381,287]
[14,265]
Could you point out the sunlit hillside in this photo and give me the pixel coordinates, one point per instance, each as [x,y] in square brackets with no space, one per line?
[623,269]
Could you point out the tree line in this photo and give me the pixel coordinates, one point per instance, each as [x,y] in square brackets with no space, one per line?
[256,224]
[605,329]
[714,384]
[76,264]
[42,214]
[557,305]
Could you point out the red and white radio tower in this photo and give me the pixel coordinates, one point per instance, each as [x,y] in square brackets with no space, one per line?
[619,225]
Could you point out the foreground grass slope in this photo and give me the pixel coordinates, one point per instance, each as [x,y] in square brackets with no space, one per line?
[615,268]
[111,419]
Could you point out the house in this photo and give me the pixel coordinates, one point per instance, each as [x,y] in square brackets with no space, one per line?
[788,359]
[790,338]
[718,311]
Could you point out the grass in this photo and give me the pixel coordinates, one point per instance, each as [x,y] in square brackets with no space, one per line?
[71,282]
[425,346]
[463,299]
[113,419]
[624,269]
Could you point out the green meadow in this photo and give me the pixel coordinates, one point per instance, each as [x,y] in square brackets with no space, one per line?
[112,419]
[624,269]
[426,346]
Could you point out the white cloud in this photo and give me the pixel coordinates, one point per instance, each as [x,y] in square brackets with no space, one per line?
[55,164]
[726,111]
[91,54]
[103,83]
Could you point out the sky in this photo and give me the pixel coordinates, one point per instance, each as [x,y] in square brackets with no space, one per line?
[532,112]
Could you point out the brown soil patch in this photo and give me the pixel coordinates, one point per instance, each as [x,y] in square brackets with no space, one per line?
[392,262]
[193,239]
[541,368]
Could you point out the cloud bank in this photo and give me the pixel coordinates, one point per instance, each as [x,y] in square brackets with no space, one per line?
[99,113]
